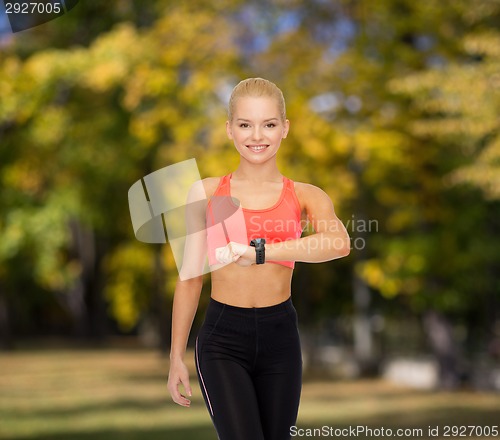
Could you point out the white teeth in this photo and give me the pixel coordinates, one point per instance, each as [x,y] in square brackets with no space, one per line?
[258,147]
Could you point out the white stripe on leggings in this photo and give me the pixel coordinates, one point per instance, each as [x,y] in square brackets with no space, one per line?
[201,376]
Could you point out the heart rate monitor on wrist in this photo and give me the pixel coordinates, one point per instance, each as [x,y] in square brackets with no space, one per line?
[260,250]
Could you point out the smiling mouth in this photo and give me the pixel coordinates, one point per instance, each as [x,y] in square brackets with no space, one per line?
[257,148]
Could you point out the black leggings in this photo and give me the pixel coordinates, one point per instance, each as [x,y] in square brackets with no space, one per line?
[249,366]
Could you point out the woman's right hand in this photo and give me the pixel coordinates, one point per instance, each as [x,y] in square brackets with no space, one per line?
[177,375]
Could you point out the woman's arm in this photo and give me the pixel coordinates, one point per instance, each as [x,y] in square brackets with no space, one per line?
[330,240]
[188,290]
[186,299]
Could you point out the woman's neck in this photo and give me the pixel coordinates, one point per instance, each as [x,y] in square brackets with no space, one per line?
[257,172]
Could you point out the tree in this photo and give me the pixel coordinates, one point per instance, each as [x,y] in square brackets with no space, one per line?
[99,118]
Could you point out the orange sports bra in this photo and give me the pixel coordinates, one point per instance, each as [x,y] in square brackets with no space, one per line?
[227,221]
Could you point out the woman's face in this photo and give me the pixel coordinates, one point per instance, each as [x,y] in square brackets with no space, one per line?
[257,128]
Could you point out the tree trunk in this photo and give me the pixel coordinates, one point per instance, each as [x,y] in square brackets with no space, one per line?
[363,332]
[98,319]
[84,300]
[363,336]
[444,346]
[6,338]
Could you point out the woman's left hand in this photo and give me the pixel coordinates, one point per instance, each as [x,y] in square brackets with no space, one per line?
[238,253]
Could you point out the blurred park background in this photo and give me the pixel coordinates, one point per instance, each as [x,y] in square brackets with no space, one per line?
[394,108]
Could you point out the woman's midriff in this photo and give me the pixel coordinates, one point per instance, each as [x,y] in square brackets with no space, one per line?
[254,286]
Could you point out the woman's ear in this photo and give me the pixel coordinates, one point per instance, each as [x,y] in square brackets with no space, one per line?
[286,128]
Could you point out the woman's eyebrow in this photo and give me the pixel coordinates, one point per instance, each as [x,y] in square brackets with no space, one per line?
[265,120]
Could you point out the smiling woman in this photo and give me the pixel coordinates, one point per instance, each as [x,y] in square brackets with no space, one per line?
[257,126]
[248,355]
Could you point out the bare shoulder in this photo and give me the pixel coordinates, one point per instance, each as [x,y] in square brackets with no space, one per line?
[203,189]
[210,185]
[309,194]
[198,197]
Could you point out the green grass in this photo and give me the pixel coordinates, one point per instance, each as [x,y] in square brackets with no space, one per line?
[113,394]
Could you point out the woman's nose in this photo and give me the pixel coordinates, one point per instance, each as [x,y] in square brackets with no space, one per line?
[257,134]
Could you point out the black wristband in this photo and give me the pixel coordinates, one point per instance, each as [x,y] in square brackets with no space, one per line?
[260,250]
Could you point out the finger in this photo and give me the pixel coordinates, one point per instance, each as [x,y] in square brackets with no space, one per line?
[219,254]
[231,254]
[174,392]
[225,255]
[222,254]
[177,397]
[234,251]
[182,400]
[187,387]
[184,379]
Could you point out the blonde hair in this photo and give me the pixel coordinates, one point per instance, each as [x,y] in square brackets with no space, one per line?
[256,87]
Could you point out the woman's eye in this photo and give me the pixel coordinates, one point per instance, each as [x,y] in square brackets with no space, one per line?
[271,125]
[243,125]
